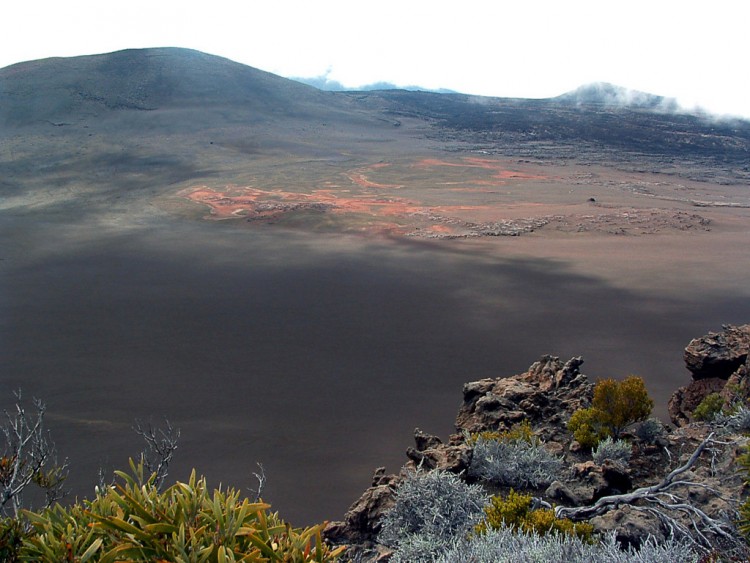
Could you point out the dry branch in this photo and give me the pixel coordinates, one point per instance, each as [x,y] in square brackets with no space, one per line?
[661,501]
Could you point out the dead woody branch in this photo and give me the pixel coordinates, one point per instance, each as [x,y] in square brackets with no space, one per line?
[160,446]
[27,453]
[662,501]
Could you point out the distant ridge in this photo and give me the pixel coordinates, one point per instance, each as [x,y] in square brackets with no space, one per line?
[163,91]
[610,95]
[328,84]
[143,79]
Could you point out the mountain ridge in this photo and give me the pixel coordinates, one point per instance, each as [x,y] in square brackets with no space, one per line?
[154,78]
[144,79]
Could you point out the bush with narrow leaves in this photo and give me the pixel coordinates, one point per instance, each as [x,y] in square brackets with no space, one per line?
[508,546]
[649,430]
[615,406]
[134,521]
[616,450]
[734,419]
[516,459]
[435,505]
[517,511]
[709,407]
[12,533]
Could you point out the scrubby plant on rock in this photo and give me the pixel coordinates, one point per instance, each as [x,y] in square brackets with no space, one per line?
[517,511]
[134,521]
[737,420]
[616,450]
[670,502]
[431,508]
[616,405]
[649,430]
[515,458]
[743,523]
[509,546]
[709,407]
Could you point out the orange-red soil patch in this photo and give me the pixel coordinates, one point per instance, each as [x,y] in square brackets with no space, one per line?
[501,173]
[255,203]
[359,177]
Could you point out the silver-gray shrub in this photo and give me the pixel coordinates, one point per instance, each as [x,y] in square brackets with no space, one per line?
[435,505]
[649,430]
[509,546]
[515,463]
[736,420]
[616,450]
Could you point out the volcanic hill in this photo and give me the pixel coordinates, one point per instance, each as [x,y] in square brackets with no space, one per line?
[300,277]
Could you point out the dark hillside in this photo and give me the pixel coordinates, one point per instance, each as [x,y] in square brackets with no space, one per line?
[597,117]
[68,89]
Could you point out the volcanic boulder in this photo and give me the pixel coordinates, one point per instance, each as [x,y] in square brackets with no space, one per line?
[546,395]
[713,360]
[718,354]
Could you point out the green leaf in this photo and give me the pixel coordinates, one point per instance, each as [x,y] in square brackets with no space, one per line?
[92,549]
[161,528]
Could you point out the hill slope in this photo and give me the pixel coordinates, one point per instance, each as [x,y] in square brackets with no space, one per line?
[61,89]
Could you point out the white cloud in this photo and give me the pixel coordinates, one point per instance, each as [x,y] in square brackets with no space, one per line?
[694,52]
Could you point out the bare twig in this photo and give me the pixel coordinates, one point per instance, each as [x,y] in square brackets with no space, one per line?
[261,479]
[160,447]
[28,450]
[662,503]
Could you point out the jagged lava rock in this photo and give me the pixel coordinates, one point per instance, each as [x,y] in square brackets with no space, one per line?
[431,453]
[683,401]
[545,395]
[361,522]
[713,360]
[718,354]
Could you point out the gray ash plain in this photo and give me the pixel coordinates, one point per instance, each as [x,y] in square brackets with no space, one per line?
[315,340]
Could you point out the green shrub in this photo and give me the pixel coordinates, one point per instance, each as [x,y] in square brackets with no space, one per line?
[616,405]
[11,537]
[521,432]
[587,427]
[133,521]
[743,523]
[515,511]
[709,407]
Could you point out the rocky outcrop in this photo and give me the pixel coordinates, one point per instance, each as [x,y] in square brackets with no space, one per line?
[718,354]
[361,522]
[631,526]
[682,403]
[713,360]
[545,395]
[431,453]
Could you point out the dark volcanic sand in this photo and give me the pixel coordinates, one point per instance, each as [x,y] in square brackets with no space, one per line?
[315,356]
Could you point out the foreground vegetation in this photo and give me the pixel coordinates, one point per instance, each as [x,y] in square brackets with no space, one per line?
[485,514]
[133,519]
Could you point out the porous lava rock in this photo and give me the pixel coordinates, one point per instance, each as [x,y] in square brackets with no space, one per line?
[713,360]
[718,354]
[361,522]
[683,401]
[545,395]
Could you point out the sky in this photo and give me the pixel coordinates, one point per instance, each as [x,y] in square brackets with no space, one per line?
[696,52]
